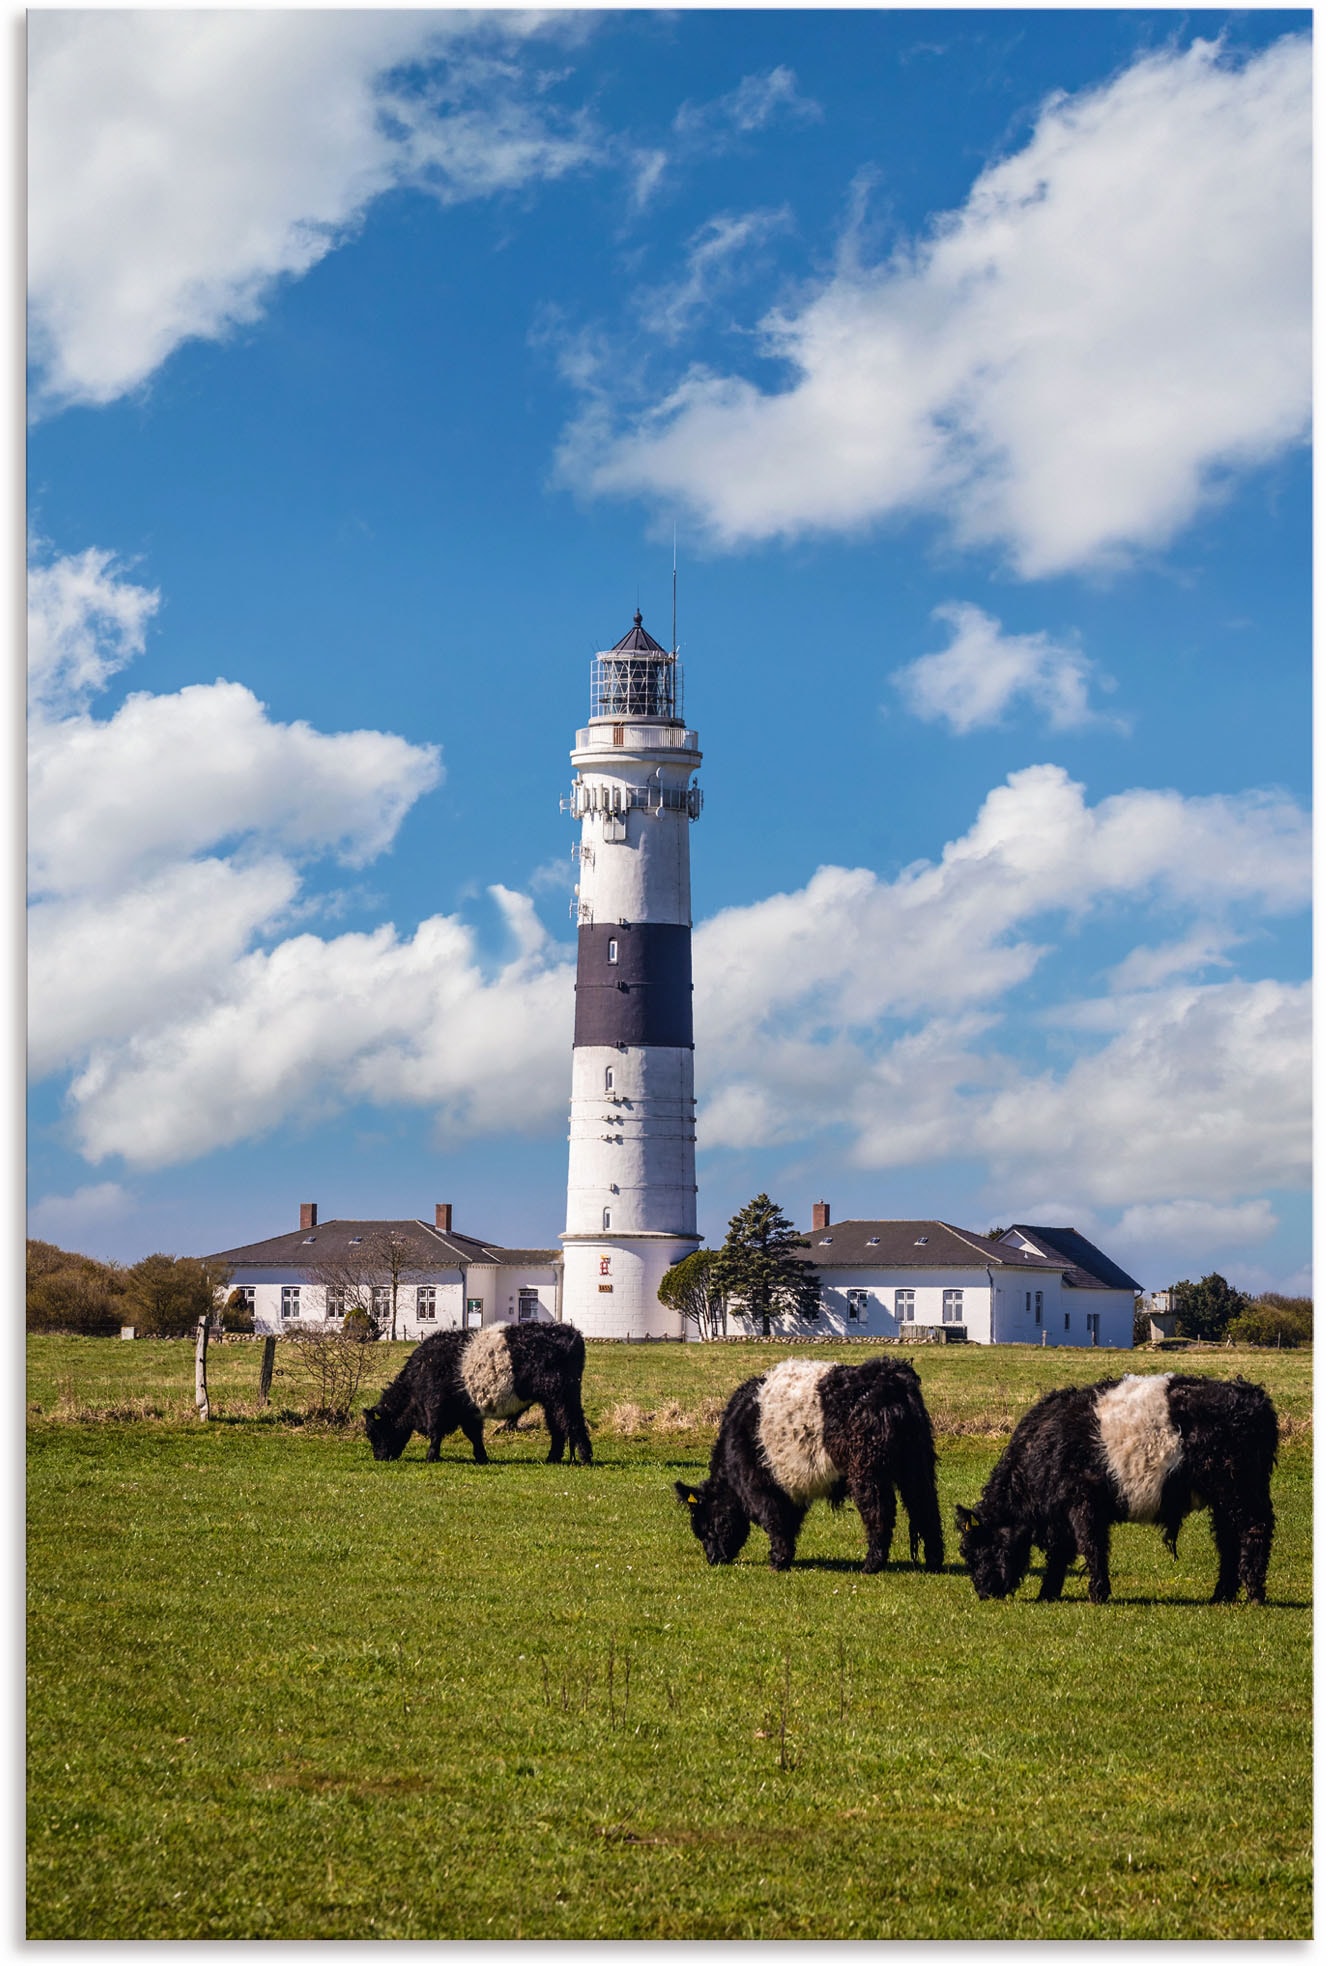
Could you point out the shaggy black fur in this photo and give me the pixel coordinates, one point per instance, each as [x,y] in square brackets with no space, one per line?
[877,1434]
[428,1397]
[1052,1487]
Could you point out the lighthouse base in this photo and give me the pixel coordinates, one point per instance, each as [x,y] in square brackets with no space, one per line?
[611,1284]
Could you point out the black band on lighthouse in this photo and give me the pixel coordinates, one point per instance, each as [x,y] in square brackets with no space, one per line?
[644,994]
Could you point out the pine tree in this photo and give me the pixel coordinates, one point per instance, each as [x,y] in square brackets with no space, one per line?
[758,1266]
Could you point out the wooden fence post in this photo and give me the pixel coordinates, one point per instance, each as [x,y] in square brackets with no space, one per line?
[200,1370]
[265,1369]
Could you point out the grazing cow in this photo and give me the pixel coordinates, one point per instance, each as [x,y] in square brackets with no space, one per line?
[1145,1448]
[463,1378]
[806,1429]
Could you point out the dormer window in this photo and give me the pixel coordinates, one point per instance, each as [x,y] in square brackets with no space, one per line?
[872,1241]
[918,1241]
[613,951]
[355,1241]
[309,1239]
[826,1241]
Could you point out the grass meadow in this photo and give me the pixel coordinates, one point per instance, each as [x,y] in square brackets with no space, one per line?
[278,1690]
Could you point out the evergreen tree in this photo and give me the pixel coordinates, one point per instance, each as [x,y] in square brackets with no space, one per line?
[757,1265]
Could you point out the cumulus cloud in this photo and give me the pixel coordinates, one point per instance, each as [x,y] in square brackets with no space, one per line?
[164,839]
[1064,368]
[984,674]
[874,1010]
[182,162]
[66,1219]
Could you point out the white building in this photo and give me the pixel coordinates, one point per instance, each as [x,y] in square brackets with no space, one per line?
[1029,1286]
[631,1171]
[446,1281]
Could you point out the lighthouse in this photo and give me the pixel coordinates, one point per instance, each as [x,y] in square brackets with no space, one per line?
[631,1173]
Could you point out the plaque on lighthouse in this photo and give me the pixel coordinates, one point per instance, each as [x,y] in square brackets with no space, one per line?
[631,1176]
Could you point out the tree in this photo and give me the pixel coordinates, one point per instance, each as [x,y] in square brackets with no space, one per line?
[165,1296]
[1206,1308]
[385,1259]
[757,1266]
[689,1288]
[69,1292]
[1287,1322]
[397,1258]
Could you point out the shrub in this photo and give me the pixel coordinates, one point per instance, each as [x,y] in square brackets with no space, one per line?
[236,1314]
[165,1296]
[330,1362]
[68,1292]
[361,1327]
[1288,1322]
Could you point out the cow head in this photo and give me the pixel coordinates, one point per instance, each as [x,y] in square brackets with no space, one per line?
[387,1436]
[995,1554]
[718,1522]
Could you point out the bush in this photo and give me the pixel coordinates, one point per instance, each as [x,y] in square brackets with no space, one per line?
[236,1314]
[1284,1321]
[330,1363]
[165,1296]
[361,1327]
[68,1292]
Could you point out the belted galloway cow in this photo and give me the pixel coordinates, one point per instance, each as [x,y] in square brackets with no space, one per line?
[463,1378]
[1143,1448]
[807,1429]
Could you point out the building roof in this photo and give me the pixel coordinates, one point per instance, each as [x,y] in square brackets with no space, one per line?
[913,1245]
[636,641]
[341,1242]
[1086,1268]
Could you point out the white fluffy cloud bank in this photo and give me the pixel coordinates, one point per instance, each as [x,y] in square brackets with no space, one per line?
[1066,368]
[173,986]
[984,675]
[181,162]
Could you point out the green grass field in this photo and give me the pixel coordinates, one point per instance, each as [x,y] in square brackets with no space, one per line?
[279,1690]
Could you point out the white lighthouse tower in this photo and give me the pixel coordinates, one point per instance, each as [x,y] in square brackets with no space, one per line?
[631,1176]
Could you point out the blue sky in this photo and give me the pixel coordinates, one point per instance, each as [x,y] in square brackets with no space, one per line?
[376,359]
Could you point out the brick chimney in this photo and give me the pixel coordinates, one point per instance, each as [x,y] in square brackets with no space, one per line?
[820,1215]
[442,1216]
[308,1214]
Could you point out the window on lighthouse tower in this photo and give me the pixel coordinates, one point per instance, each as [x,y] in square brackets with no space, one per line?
[608,1078]
[607,1223]
[613,952]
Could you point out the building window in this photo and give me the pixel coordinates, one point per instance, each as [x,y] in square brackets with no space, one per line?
[857,1306]
[1067,1320]
[952,1307]
[608,1078]
[1028,1301]
[290,1300]
[1092,1326]
[527,1306]
[1037,1307]
[904,1306]
[336,1301]
[426,1302]
[613,952]
[244,1296]
[380,1299]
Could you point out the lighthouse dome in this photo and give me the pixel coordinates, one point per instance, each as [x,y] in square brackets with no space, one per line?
[635,678]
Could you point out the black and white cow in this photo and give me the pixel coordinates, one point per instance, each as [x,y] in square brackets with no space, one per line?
[807,1429]
[1145,1448]
[463,1378]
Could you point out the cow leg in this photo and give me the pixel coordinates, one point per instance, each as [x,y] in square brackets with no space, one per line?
[577,1431]
[917,1491]
[1226,1534]
[1256,1546]
[874,1501]
[473,1428]
[1092,1538]
[553,1420]
[1060,1551]
[781,1520]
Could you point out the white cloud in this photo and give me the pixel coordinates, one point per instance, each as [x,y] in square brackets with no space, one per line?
[65,1219]
[713,253]
[984,673]
[181,162]
[1186,1224]
[85,621]
[758,101]
[1066,367]
[164,839]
